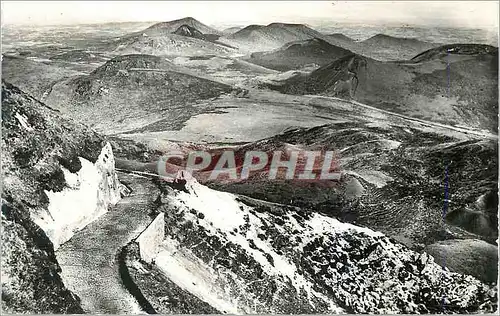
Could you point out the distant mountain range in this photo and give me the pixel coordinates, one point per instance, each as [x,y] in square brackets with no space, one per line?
[161,38]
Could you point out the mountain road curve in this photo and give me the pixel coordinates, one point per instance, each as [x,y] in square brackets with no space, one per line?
[89,260]
[464,130]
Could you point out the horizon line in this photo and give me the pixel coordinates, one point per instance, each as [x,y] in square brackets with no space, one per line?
[247,23]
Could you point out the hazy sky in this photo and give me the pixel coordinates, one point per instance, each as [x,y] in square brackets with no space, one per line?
[445,13]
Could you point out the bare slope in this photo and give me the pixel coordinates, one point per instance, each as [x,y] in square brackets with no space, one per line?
[231,30]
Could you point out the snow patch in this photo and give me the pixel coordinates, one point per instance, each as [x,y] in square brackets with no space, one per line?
[320,224]
[23,120]
[88,195]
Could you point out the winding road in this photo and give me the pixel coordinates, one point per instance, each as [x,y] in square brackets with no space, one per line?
[423,122]
[89,260]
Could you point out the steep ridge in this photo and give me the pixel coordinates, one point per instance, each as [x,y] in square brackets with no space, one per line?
[456,89]
[242,255]
[295,55]
[57,176]
[131,91]
[186,30]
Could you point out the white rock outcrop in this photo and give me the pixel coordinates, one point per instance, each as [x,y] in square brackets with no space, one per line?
[89,194]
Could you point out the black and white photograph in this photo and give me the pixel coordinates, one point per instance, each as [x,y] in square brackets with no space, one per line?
[249,157]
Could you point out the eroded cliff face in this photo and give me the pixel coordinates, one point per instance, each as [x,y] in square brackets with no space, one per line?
[57,177]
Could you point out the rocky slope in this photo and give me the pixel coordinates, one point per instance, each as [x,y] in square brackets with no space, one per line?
[57,176]
[242,255]
[132,91]
[449,84]
[295,55]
